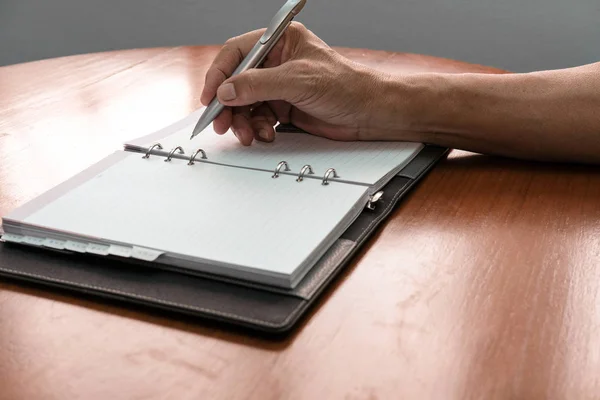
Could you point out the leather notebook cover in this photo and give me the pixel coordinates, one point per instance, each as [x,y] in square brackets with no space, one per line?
[158,287]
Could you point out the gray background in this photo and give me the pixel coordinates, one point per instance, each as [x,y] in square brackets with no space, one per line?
[520,35]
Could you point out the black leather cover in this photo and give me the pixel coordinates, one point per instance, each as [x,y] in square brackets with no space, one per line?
[270,310]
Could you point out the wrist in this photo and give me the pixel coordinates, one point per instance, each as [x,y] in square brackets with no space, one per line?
[403,107]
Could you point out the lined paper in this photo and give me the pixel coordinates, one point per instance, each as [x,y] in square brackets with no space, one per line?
[233,216]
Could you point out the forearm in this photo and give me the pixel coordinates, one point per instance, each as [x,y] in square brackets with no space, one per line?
[551,115]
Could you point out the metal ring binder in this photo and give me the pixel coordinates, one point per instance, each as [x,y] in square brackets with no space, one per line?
[326,176]
[281,164]
[157,145]
[173,151]
[193,156]
[303,171]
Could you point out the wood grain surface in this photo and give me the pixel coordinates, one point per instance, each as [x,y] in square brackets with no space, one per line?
[484,284]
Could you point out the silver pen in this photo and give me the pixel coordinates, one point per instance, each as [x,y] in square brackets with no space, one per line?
[255,57]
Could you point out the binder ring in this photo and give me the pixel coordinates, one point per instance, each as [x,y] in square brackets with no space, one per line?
[281,164]
[157,145]
[178,148]
[326,176]
[303,171]
[193,157]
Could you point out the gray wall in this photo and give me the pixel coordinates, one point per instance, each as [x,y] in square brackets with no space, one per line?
[520,35]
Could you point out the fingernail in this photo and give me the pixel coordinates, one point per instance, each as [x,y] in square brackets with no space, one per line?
[226,92]
[237,135]
[264,134]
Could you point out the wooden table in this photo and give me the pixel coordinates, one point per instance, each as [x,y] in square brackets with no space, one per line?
[485,283]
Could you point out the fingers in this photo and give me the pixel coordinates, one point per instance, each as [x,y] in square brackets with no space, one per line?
[241,125]
[235,49]
[223,122]
[226,61]
[247,123]
[261,84]
[270,83]
[250,88]
[263,120]
[282,111]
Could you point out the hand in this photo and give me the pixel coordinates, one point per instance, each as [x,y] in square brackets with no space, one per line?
[302,81]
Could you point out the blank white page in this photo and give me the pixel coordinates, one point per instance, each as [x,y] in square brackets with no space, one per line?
[229,215]
[357,162]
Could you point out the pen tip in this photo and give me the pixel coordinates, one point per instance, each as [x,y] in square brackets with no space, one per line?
[202,123]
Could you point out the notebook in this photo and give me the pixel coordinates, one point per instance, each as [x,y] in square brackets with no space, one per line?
[263,214]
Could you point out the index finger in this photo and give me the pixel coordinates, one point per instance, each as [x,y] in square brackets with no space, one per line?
[229,57]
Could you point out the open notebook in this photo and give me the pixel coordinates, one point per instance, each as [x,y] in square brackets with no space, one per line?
[254,213]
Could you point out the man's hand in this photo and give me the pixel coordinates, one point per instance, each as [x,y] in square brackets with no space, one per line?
[544,115]
[302,81]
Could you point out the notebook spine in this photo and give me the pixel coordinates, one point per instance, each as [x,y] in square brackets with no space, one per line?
[307,169]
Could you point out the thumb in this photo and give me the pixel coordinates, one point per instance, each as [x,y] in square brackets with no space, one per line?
[257,85]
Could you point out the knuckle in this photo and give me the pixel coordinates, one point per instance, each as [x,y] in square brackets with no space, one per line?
[230,42]
[298,26]
[212,74]
[214,80]
[304,40]
[219,74]
[298,30]
[230,48]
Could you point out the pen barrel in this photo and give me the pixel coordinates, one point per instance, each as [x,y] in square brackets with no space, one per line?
[212,110]
[254,58]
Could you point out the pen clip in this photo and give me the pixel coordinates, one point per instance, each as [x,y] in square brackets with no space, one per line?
[282,19]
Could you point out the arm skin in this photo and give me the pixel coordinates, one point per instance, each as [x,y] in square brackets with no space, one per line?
[544,116]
